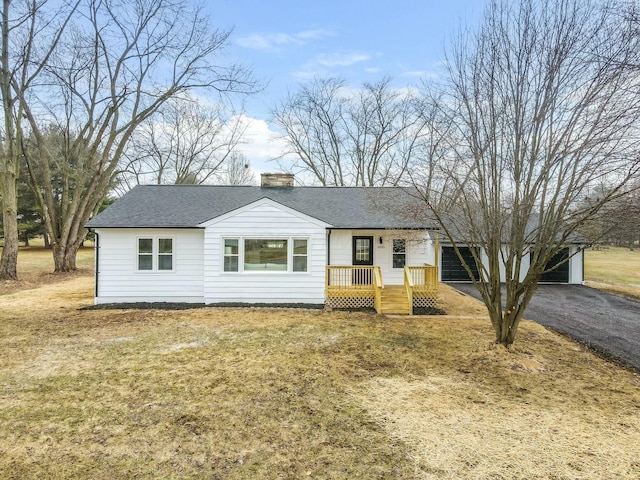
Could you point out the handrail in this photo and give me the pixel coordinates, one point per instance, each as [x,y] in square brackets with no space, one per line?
[408,285]
[378,285]
[377,275]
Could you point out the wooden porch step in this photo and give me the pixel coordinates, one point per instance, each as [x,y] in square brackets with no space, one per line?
[394,301]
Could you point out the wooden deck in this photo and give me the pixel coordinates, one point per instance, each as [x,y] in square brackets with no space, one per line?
[349,286]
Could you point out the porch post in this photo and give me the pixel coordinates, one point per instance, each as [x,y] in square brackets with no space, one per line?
[437,247]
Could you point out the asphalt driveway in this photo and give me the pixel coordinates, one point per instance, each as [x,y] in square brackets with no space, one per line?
[604,322]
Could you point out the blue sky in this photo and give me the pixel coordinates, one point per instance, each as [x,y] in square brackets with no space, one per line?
[286,43]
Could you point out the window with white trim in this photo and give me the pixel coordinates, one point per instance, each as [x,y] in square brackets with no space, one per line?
[231,254]
[165,254]
[145,254]
[399,252]
[155,253]
[275,254]
[266,254]
[299,255]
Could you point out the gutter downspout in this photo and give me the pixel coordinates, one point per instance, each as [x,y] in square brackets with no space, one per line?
[97,261]
[326,268]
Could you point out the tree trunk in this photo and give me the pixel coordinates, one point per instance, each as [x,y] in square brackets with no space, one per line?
[9,262]
[508,329]
[64,256]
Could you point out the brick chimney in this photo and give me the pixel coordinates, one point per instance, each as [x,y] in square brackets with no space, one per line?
[276,179]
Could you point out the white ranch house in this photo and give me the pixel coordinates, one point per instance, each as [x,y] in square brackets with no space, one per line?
[271,244]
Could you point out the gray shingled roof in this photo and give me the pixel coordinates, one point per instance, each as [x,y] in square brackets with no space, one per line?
[187,206]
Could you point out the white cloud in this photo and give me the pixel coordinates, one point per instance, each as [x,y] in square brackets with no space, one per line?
[323,64]
[341,59]
[420,74]
[261,144]
[272,42]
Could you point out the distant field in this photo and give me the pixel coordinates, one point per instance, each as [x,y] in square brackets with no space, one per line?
[614,269]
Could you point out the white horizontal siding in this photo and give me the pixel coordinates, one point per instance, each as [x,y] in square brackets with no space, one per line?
[576,263]
[120,281]
[264,220]
[420,250]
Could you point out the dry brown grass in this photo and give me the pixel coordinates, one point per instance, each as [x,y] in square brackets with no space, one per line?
[615,270]
[35,267]
[275,393]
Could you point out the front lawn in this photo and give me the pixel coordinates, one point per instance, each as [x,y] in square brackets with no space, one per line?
[276,393]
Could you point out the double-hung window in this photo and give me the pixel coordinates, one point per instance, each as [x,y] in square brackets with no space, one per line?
[399,252]
[155,253]
[165,254]
[145,254]
[231,254]
[299,255]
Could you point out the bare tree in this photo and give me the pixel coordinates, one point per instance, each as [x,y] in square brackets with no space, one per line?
[185,142]
[121,62]
[237,171]
[543,101]
[31,31]
[617,222]
[365,138]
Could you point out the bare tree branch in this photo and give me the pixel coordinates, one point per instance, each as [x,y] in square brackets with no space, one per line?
[185,142]
[366,139]
[115,67]
[543,103]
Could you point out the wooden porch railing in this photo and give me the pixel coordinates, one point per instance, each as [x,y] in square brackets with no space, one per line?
[350,286]
[423,277]
[362,286]
[347,277]
[421,284]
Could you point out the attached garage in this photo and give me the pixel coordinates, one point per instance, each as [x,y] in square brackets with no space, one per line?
[561,273]
[452,269]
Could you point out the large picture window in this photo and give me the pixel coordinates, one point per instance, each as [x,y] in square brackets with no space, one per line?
[155,254]
[265,254]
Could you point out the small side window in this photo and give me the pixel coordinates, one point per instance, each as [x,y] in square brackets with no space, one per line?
[399,252]
[231,254]
[165,254]
[299,255]
[145,254]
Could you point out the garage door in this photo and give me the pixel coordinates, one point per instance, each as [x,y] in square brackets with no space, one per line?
[452,269]
[561,273]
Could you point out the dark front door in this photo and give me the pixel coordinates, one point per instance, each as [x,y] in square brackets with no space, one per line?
[362,256]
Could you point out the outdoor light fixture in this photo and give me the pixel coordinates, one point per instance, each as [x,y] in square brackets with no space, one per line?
[380,240]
